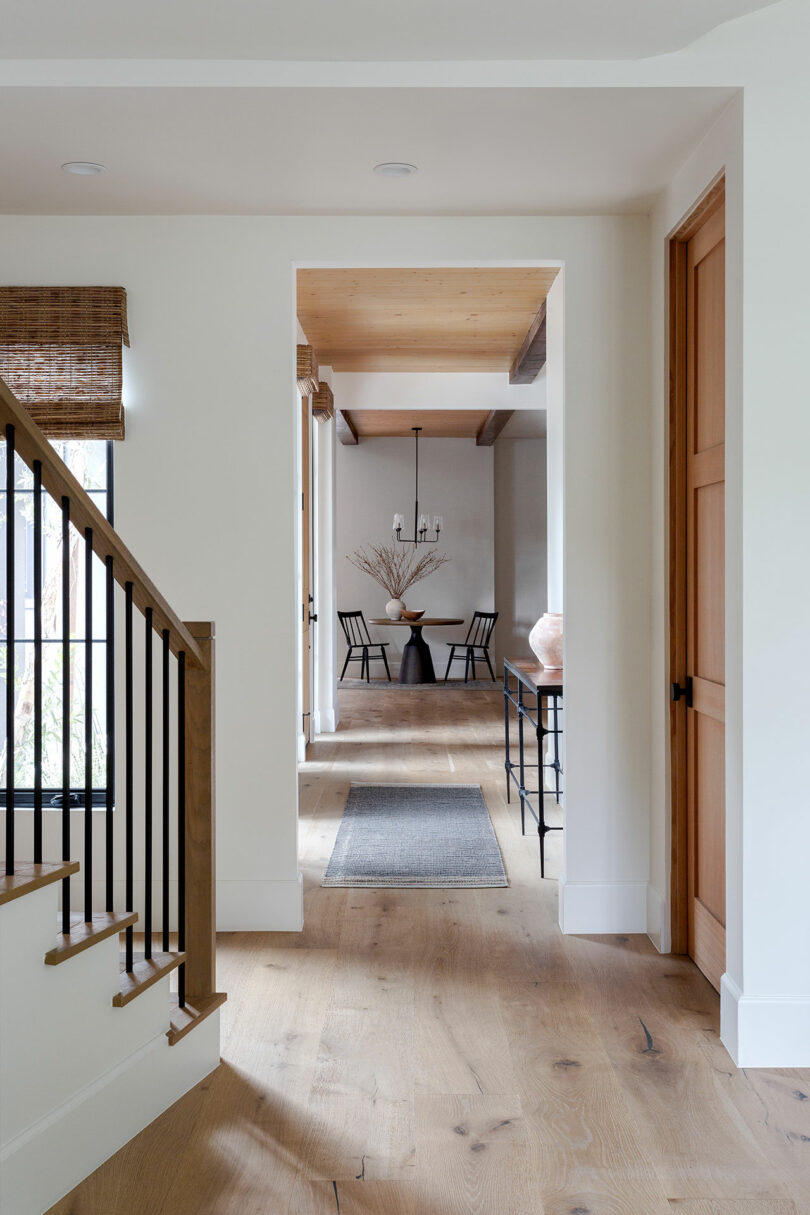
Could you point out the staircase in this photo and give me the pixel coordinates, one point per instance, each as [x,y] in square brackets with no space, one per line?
[108,1007]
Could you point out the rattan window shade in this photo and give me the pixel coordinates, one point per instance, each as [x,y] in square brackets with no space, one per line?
[60,354]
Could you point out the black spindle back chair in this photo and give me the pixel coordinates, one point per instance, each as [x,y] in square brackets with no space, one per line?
[476,642]
[355,630]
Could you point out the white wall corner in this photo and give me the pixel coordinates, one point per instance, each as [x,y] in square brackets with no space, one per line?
[50,1157]
[598,907]
[764,1031]
[327,720]
[301,747]
[658,926]
[271,906]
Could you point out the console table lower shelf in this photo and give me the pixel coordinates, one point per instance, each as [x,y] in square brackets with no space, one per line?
[536,699]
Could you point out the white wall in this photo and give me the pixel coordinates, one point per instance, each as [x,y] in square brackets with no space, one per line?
[555,440]
[520,542]
[436,390]
[326,709]
[213,401]
[375,479]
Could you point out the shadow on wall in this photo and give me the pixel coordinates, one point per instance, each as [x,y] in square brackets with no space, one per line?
[520,542]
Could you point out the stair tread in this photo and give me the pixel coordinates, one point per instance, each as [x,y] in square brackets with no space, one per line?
[83,934]
[184,1019]
[27,877]
[145,972]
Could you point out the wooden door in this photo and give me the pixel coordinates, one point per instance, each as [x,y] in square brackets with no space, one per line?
[306,567]
[705,596]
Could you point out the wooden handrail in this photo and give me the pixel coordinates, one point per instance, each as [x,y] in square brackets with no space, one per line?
[31,445]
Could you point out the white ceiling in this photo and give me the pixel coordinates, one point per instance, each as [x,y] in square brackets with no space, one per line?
[358,29]
[311,151]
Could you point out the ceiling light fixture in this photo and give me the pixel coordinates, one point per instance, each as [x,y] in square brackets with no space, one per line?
[394,168]
[421,523]
[83,168]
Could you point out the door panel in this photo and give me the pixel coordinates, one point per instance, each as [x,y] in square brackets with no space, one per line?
[709,583]
[710,844]
[705,595]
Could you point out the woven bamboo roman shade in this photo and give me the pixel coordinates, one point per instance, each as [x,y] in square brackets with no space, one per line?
[60,354]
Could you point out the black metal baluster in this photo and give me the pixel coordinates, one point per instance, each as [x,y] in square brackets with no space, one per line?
[147,794]
[66,708]
[88,724]
[129,895]
[181,822]
[110,713]
[37,662]
[165,759]
[11,629]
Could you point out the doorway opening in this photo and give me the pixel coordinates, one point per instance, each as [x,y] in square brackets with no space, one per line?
[431,451]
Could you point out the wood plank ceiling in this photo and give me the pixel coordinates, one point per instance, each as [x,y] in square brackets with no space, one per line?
[428,319]
[435,423]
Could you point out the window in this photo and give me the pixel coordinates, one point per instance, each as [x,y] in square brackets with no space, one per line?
[90,461]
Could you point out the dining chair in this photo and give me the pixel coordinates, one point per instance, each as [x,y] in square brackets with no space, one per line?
[476,641]
[355,630]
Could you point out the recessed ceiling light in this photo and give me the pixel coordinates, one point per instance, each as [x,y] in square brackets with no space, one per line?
[395,168]
[83,168]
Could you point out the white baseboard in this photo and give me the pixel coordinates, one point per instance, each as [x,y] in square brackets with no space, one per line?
[596,907]
[658,926]
[50,1157]
[325,721]
[301,747]
[764,1031]
[260,906]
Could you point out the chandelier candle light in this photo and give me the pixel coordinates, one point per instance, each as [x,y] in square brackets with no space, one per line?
[421,523]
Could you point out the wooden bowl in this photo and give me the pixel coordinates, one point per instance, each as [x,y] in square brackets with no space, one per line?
[409,615]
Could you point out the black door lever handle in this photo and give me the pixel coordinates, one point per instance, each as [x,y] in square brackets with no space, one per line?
[676,691]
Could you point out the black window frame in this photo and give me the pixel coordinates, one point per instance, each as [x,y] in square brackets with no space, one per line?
[52,798]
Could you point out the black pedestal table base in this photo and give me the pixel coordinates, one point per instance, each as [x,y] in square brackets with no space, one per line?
[417,663]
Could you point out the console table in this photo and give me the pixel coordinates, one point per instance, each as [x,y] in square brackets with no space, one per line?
[535,694]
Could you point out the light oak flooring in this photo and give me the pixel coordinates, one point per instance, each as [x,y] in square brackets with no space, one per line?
[448,1052]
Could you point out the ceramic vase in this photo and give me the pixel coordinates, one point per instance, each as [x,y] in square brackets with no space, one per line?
[546,640]
[393,609]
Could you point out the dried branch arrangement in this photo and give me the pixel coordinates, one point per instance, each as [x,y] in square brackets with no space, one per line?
[395,567]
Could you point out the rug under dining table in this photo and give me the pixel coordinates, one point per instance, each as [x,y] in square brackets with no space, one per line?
[415,835]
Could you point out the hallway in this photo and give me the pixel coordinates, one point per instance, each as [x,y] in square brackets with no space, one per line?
[448,1052]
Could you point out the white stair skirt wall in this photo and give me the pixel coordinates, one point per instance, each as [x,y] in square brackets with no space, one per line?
[78,1077]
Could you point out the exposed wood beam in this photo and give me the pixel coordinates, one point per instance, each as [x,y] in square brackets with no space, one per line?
[323,403]
[307,370]
[492,426]
[345,427]
[532,354]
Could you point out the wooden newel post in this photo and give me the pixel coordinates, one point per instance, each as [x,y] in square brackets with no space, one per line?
[200,836]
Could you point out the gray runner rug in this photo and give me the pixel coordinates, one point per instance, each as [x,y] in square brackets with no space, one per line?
[409,835]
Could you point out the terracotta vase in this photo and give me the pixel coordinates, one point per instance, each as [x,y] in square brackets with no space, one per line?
[546,640]
[393,609]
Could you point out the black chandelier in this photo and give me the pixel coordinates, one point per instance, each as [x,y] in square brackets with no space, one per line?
[421,523]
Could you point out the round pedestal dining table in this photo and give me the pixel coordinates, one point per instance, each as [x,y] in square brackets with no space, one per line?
[416,665]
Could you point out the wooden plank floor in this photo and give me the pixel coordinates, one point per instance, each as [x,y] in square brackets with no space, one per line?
[448,1052]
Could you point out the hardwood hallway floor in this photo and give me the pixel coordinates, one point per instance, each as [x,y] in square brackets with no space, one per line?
[448,1052]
